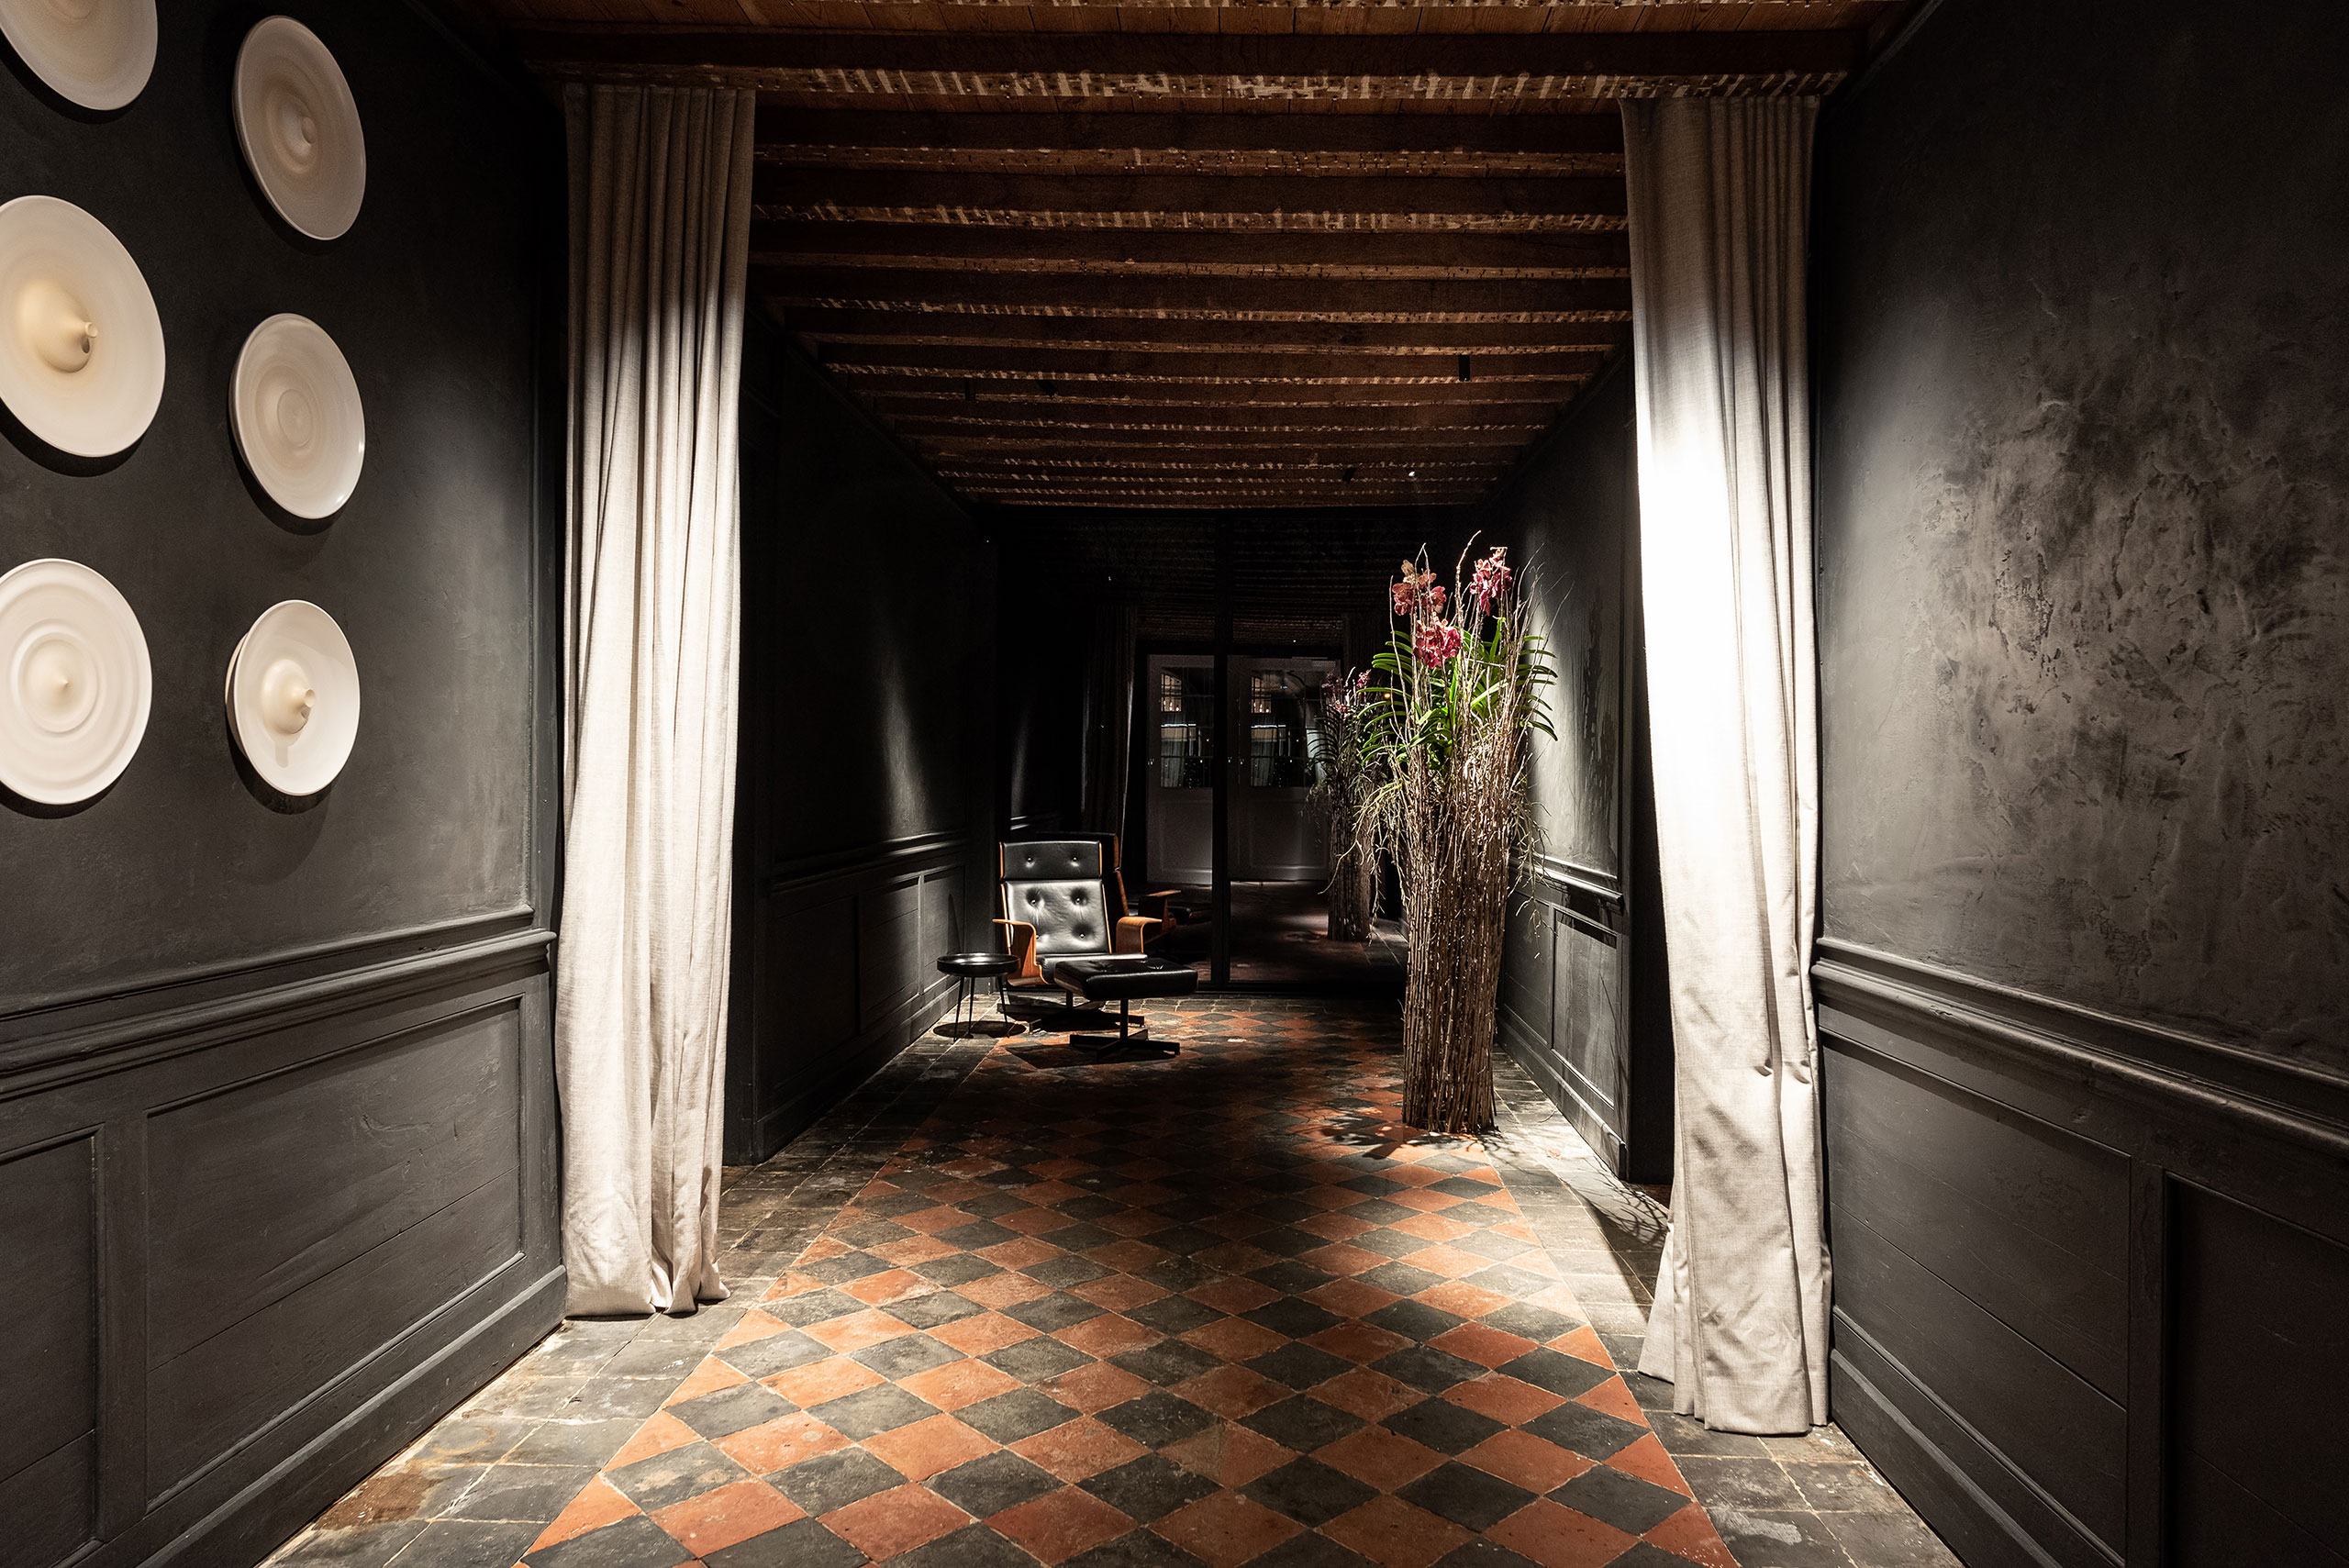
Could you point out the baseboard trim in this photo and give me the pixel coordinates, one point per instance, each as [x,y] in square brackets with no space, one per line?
[867,1054]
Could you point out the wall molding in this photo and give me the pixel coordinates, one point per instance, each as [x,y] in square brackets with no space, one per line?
[888,856]
[2098,1050]
[130,1035]
[1598,885]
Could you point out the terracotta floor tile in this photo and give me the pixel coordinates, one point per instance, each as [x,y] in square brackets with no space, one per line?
[857,1331]
[1059,1525]
[1647,1460]
[820,1381]
[1359,1342]
[1093,1388]
[1460,1297]
[774,1445]
[1392,1532]
[1236,1258]
[1076,1450]
[1233,1295]
[1690,1534]
[708,1378]
[931,1221]
[1033,1222]
[896,1520]
[893,1285]
[1226,1530]
[1133,1223]
[914,1249]
[1118,1292]
[1238,1226]
[1526,1461]
[1340,1258]
[1424,1201]
[928,1447]
[1383,1458]
[1584,1344]
[1482,1343]
[1373,1395]
[599,1503]
[1024,1253]
[984,1334]
[1616,1400]
[1557,1537]
[1107,1335]
[1336,1226]
[1350,1297]
[823,1247]
[1003,1290]
[957,1384]
[659,1435]
[1233,1392]
[1228,1455]
[715,1521]
[1449,1262]
[1234,1338]
[755,1325]
[1503,1398]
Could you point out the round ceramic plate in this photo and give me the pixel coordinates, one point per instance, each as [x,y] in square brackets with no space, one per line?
[294,407]
[294,697]
[78,683]
[299,127]
[97,53]
[80,347]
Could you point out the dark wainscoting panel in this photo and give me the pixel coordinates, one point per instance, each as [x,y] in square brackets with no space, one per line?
[259,1236]
[837,974]
[2090,1276]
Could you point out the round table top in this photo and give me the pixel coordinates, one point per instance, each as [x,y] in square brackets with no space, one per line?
[977,964]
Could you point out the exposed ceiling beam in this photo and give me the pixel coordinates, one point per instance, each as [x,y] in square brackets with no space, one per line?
[826,324]
[940,403]
[1256,63]
[1376,446]
[1218,453]
[1195,296]
[1335,393]
[958,189]
[813,242]
[1551,135]
[1201,365]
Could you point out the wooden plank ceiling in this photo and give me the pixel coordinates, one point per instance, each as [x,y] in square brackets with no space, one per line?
[1181,255]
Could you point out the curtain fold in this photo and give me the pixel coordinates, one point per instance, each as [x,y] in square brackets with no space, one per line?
[1720,217]
[1110,718]
[660,242]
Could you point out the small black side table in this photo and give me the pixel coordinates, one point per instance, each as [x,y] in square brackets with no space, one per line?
[970,969]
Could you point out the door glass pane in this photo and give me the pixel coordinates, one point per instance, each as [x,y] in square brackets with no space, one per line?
[1283,713]
[1186,728]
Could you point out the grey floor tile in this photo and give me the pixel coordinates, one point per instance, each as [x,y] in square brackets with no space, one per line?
[1889,1540]
[521,1493]
[466,1543]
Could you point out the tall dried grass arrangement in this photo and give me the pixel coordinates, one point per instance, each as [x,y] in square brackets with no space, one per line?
[1450,745]
[1342,790]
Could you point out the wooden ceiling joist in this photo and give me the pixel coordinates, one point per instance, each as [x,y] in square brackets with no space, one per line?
[824,324]
[1258,66]
[1008,403]
[1271,200]
[826,242]
[1599,130]
[1374,445]
[1214,296]
[1178,364]
[1243,394]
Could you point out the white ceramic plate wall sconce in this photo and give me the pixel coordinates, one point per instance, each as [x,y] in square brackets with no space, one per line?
[97,53]
[295,408]
[81,345]
[78,683]
[292,694]
[299,127]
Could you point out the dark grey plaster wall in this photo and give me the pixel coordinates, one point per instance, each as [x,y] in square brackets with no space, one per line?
[277,1110]
[864,812]
[429,569]
[2082,350]
[2083,334]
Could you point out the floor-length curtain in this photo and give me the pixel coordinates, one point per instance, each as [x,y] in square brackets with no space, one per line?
[1110,718]
[660,237]
[1720,211]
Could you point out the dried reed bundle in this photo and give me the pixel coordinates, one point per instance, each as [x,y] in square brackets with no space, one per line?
[1451,743]
[1341,791]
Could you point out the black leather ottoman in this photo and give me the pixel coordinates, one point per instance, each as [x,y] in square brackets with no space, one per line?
[1125,980]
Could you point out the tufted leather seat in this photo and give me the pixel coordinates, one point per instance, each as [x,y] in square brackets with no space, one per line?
[1063,899]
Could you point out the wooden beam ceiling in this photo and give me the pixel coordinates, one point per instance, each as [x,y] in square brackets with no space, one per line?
[1200,255]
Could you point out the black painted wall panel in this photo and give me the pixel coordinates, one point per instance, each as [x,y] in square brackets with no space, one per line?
[429,569]
[49,1362]
[2080,349]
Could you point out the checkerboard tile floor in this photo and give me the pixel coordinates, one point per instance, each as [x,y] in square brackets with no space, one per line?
[1218,1309]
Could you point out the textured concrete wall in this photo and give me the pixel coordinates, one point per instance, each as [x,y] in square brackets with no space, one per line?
[1567,520]
[2082,272]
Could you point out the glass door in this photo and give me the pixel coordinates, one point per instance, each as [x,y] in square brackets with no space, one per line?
[1182,772]
[1277,835]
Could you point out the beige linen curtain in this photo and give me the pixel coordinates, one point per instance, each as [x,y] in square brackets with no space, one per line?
[659,237]
[1720,213]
